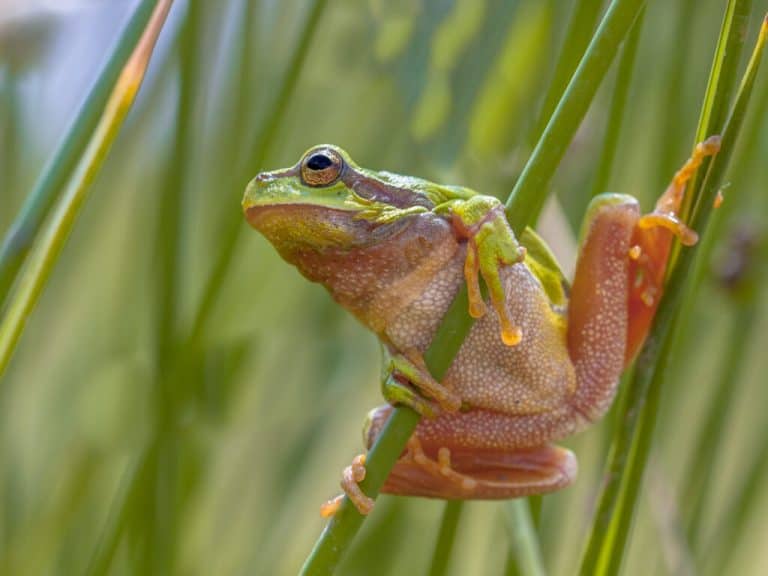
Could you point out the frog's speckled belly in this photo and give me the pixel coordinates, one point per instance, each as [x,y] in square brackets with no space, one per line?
[531,377]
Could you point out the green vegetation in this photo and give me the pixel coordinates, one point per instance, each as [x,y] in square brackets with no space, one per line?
[179,400]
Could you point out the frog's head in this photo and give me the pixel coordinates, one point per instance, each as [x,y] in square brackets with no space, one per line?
[356,231]
[328,202]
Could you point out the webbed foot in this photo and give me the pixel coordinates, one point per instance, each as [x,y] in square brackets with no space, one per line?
[350,483]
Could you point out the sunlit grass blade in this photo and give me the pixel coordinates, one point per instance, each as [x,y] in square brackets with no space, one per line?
[22,233]
[523,207]
[607,543]
[47,247]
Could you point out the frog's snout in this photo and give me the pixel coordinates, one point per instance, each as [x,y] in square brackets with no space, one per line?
[257,190]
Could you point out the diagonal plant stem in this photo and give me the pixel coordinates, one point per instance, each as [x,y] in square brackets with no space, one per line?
[523,206]
[48,246]
[615,119]
[18,240]
[528,195]
[605,550]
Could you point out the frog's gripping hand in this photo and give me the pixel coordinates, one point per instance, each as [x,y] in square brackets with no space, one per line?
[406,380]
[491,245]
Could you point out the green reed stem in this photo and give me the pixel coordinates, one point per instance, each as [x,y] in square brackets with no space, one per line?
[529,192]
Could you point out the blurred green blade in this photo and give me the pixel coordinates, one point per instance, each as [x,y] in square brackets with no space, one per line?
[18,240]
[50,242]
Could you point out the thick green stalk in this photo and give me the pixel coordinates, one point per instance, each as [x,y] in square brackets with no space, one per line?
[52,238]
[523,206]
[529,192]
[18,240]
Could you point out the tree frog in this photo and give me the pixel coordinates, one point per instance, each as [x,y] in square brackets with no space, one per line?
[543,358]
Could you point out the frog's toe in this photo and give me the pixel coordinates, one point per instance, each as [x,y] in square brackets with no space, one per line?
[350,483]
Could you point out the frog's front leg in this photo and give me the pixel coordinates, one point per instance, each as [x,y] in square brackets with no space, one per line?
[491,245]
[405,379]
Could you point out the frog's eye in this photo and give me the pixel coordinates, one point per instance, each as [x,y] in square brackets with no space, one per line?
[321,167]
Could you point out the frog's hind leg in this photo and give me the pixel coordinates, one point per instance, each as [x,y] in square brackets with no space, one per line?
[618,283]
[485,459]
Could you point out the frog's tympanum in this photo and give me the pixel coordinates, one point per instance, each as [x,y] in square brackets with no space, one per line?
[543,358]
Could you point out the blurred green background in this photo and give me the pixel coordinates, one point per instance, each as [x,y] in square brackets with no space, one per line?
[182,400]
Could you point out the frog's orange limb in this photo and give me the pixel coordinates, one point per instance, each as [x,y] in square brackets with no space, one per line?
[654,234]
[350,483]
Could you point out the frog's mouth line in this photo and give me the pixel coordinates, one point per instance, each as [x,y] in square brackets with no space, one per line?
[256,213]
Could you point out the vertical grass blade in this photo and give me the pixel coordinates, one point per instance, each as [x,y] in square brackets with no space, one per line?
[52,238]
[18,240]
[524,542]
[606,546]
[446,537]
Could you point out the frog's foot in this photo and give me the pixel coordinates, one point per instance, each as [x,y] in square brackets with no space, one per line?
[489,474]
[350,483]
[398,368]
[665,214]
[491,245]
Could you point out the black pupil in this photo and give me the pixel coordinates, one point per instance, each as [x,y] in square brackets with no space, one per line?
[319,162]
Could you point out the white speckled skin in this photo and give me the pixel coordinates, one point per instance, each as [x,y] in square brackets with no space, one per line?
[559,378]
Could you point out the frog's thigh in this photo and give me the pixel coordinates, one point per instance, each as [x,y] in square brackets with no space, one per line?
[481,455]
[598,317]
